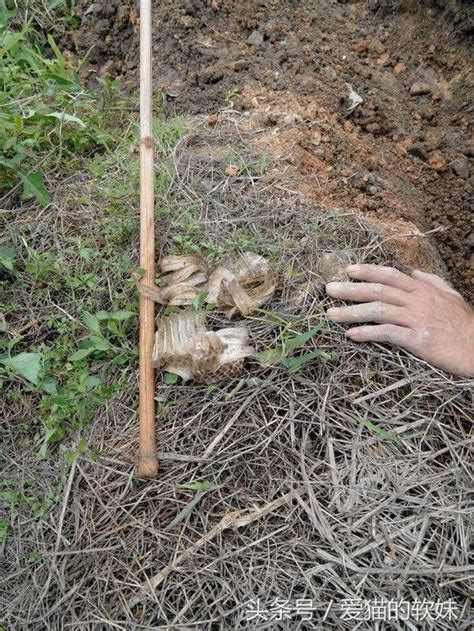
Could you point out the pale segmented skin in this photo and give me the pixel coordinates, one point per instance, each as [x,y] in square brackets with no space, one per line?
[185,347]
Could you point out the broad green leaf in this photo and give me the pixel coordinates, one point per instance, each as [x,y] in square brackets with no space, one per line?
[26,365]
[91,322]
[86,253]
[50,385]
[56,51]
[82,353]
[170,378]
[121,315]
[271,356]
[198,301]
[68,118]
[9,40]
[33,186]
[294,363]
[7,257]
[297,341]
[64,81]
[30,58]
[99,343]
[92,382]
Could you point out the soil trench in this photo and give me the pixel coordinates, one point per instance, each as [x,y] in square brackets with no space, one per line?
[403,156]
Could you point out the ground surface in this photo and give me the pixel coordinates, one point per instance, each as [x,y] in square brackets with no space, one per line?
[347,478]
[404,154]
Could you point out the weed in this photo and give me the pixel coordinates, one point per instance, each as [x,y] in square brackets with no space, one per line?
[288,344]
[47,118]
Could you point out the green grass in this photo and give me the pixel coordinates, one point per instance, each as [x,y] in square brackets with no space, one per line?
[68,264]
[85,295]
[48,120]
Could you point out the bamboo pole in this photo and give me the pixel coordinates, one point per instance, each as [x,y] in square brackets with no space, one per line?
[147,459]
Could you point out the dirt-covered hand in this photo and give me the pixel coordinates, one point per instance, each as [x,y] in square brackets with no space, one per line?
[420,313]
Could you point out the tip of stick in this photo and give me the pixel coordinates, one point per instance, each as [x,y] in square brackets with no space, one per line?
[147,467]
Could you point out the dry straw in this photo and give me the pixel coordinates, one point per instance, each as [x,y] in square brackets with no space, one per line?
[348,478]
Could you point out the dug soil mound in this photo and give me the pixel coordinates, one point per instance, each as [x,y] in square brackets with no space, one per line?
[404,155]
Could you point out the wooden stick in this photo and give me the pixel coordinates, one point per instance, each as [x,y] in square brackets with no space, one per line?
[147,459]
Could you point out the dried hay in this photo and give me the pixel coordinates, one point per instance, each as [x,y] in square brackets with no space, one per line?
[348,478]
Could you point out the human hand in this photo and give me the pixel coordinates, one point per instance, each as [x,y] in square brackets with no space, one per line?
[420,313]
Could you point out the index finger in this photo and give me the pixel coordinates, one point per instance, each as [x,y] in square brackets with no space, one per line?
[380,274]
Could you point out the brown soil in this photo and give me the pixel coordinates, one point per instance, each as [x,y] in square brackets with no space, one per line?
[403,156]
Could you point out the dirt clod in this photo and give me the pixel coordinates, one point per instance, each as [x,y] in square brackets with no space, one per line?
[419,88]
[408,61]
[460,167]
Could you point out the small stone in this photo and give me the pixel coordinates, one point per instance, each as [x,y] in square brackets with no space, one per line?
[315,138]
[332,266]
[255,38]
[372,190]
[370,178]
[437,162]
[399,69]
[426,112]
[372,128]
[460,167]
[401,147]
[186,21]
[348,126]
[231,170]
[419,88]
[360,46]
[279,85]
[375,46]
[383,60]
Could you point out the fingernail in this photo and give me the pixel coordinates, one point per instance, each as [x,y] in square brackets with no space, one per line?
[332,287]
[332,313]
[352,268]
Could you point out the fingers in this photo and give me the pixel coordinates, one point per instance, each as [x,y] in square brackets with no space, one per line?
[390,333]
[368,312]
[366,292]
[385,275]
[433,279]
